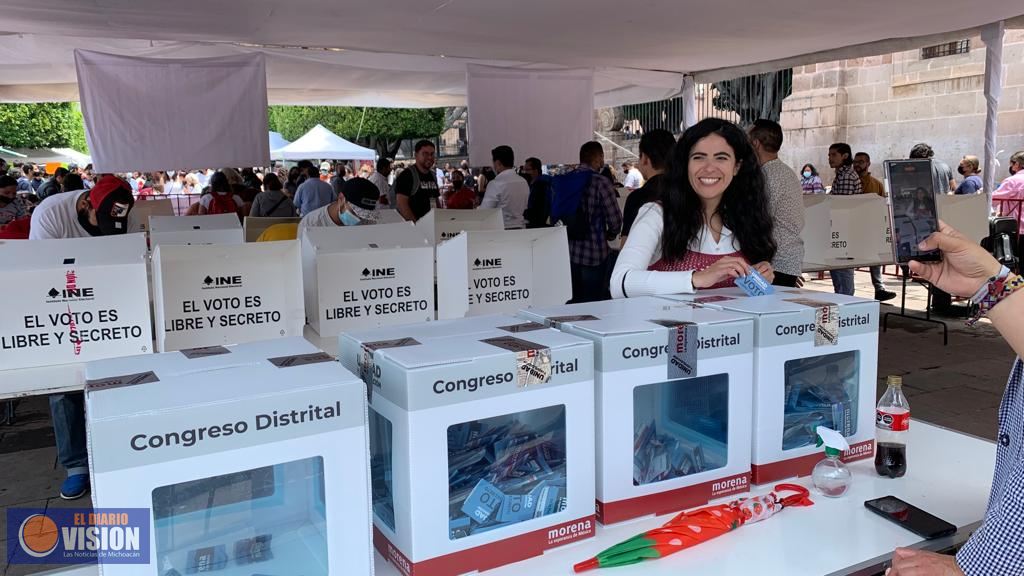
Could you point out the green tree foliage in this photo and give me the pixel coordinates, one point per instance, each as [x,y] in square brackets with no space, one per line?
[382,129]
[50,125]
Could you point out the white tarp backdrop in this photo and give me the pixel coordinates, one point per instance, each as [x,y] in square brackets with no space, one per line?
[215,115]
[420,61]
[542,114]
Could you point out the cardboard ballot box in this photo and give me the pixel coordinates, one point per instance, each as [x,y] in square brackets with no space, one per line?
[73,300]
[253,226]
[205,229]
[673,399]
[138,218]
[358,277]
[642,305]
[389,216]
[253,466]
[502,272]
[439,224]
[226,294]
[815,364]
[482,448]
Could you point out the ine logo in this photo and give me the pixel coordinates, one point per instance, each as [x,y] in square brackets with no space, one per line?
[217,282]
[486,263]
[71,292]
[378,274]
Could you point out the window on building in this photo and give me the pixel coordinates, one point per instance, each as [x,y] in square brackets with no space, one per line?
[947,49]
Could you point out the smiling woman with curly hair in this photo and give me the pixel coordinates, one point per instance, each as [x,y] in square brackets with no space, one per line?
[712,224]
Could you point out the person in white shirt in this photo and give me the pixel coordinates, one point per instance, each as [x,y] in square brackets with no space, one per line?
[101,211]
[380,180]
[632,178]
[509,191]
[712,225]
[355,206]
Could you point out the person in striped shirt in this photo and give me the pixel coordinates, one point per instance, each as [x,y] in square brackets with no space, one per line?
[840,158]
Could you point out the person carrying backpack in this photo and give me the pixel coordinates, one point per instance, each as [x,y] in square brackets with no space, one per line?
[584,201]
[220,199]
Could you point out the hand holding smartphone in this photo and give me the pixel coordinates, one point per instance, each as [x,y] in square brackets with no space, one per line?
[913,211]
[910,517]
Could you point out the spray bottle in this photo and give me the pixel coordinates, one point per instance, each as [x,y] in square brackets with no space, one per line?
[831,477]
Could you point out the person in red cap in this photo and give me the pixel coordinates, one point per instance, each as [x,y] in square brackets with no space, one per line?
[101,211]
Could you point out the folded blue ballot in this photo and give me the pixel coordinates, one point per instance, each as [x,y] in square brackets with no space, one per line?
[754,284]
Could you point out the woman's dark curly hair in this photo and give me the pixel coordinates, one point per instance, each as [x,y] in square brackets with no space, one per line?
[744,205]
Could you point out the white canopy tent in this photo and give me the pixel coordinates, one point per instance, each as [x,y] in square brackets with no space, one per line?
[322,144]
[418,57]
[277,141]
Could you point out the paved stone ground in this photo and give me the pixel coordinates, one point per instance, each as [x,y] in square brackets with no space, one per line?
[958,386]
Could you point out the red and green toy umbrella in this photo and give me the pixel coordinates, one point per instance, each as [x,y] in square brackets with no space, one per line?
[691,528]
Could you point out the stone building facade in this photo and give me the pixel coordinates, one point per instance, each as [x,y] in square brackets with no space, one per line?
[883,105]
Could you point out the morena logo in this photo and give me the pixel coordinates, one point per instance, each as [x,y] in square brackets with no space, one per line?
[378,273]
[211,282]
[486,263]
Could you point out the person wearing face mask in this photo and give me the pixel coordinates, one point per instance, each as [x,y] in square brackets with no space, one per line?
[1008,197]
[11,207]
[970,169]
[712,224]
[101,211]
[355,205]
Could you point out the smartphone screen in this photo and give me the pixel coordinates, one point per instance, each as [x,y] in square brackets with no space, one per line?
[913,213]
[910,517]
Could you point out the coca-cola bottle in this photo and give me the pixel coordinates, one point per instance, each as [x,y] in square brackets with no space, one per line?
[892,424]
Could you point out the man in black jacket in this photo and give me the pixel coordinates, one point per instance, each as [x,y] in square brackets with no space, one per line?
[54,185]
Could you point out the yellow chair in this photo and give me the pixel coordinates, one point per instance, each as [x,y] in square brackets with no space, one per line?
[279,232]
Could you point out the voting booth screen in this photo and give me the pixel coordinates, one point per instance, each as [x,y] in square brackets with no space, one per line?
[820,391]
[269,519]
[381,468]
[681,427]
[505,470]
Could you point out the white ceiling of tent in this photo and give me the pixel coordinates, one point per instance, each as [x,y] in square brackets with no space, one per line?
[414,52]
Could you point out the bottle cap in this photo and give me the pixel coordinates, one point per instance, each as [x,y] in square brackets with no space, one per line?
[894,381]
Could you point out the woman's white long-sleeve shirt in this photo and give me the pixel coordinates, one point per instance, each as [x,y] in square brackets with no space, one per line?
[631,276]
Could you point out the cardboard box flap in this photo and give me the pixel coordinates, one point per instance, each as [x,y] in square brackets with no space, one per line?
[158,224]
[74,252]
[215,386]
[346,238]
[439,225]
[173,363]
[468,348]
[641,322]
[435,329]
[599,309]
[183,252]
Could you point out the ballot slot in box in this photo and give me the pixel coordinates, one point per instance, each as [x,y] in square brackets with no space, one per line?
[480,450]
[815,364]
[359,277]
[204,229]
[246,465]
[673,403]
[74,300]
[502,272]
[226,294]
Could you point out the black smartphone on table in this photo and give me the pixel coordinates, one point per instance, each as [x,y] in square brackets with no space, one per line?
[913,210]
[910,517]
